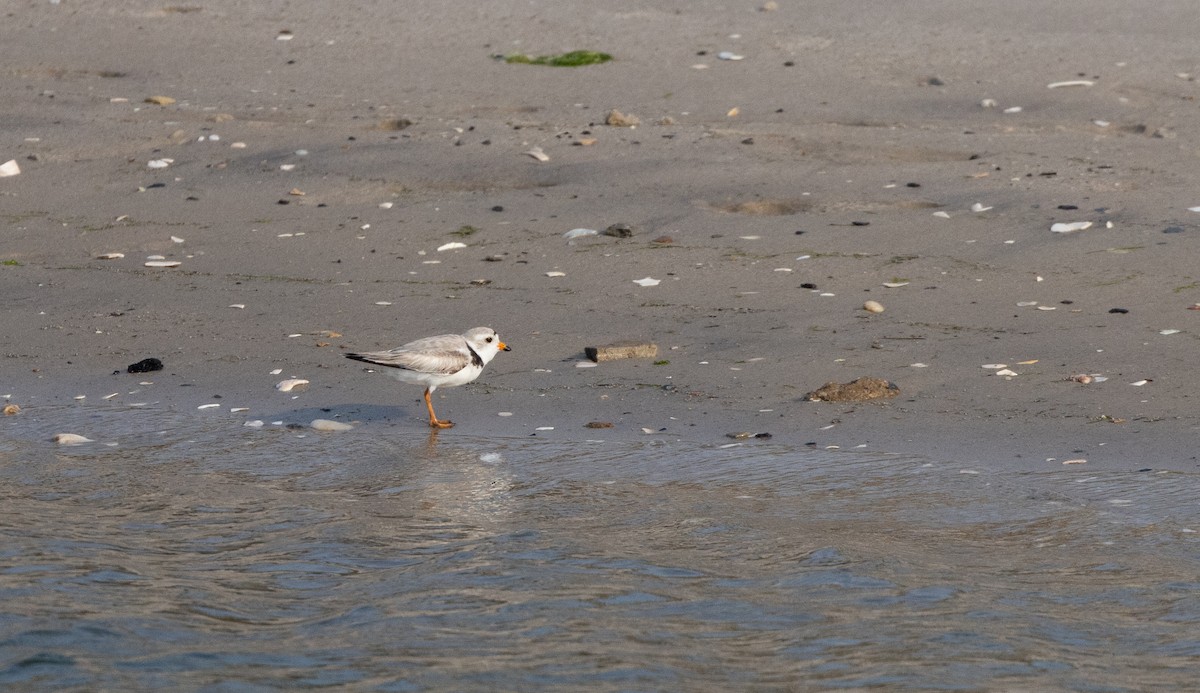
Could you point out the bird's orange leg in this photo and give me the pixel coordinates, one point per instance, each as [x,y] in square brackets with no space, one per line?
[433,419]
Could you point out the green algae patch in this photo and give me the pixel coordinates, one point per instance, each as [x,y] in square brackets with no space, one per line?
[572,59]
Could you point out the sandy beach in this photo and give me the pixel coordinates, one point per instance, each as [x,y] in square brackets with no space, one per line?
[790,162]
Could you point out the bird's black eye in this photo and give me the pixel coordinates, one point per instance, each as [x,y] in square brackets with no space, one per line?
[488,339]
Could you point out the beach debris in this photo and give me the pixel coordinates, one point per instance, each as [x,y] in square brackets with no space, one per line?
[11,409]
[733,112]
[70,439]
[1140,383]
[647,281]
[211,405]
[148,365]
[942,215]
[1194,306]
[330,425]
[858,390]
[1013,109]
[978,207]
[160,100]
[556,273]
[110,256]
[1194,209]
[290,384]
[1082,379]
[9,168]
[1071,226]
[729,55]
[618,119]
[628,349]
[1070,83]
[1168,332]
[873,307]
[895,285]
[254,423]
[1007,373]
[745,435]
[598,424]
[453,245]
[619,230]
[1075,461]
[994,366]
[162,263]
[585,141]
[538,154]
[989,103]
[585,364]
[159,163]
[580,233]
[569,59]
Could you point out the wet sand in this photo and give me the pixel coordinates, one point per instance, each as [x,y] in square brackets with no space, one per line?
[781,217]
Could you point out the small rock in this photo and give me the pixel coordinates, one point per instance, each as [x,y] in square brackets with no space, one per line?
[619,230]
[618,119]
[873,307]
[160,100]
[598,424]
[859,390]
[11,409]
[330,425]
[622,350]
[145,366]
[70,439]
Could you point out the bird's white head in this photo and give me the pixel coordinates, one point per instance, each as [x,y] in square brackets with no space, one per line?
[485,342]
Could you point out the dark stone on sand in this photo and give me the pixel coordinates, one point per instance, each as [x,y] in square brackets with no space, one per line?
[860,390]
[619,230]
[145,366]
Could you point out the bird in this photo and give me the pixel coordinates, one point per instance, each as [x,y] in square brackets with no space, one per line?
[446,360]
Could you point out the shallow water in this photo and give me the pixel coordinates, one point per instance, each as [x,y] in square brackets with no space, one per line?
[183,551]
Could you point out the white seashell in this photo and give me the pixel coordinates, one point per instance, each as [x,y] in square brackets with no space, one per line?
[782,269]
[107,397]
[1075,461]
[1166,332]
[385,205]
[538,154]
[237,305]
[287,167]
[942,215]
[176,239]
[290,384]
[1006,372]
[994,366]
[1101,123]
[1070,83]
[918,365]
[729,55]
[214,405]
[255,423]
[329,425]
[873,307]
[1047,308]
[110,256]
[159,163]
[1139,383]
[237,145]
[895,285]
[383,303]
[978,207]
[585,364]
[580,233]
[1026,304]
[989,103]
[750,238]
[454,245]
[1194,209]
[238,410]
[277,371]
[648,281]
[156,257]
[9,168]
[163,263]
[1013,109]
[556,274]
[70,439]
[1072,226]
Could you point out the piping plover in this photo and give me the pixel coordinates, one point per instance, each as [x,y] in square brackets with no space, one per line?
[446,360]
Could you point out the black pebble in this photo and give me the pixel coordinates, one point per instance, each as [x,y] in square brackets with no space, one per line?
[498,208]
[1173,229]
[808,285]
[1118,310]
[145,366]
